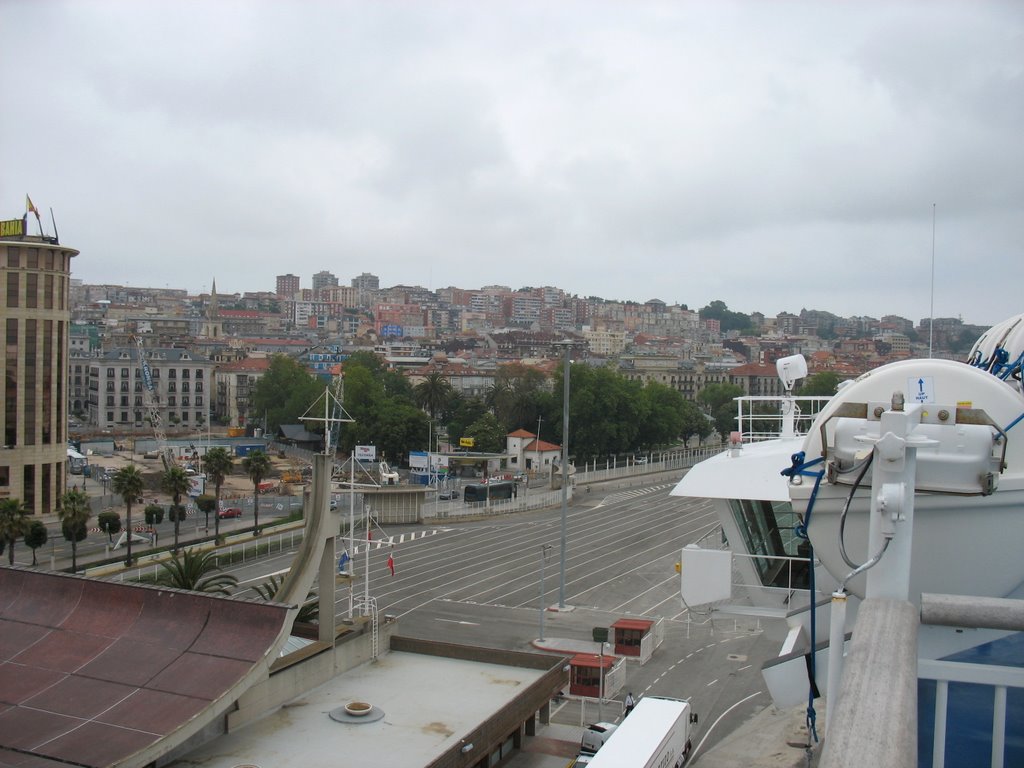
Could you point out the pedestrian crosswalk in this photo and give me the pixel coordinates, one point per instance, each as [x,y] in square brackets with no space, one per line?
[388,541]
[612,498]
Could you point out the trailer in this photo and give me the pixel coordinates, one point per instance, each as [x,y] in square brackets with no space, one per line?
[656,734]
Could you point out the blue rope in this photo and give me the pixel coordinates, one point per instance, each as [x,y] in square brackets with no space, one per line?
[1014,423]
[800,468]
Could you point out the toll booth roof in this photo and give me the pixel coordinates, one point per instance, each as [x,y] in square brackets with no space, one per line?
[642,624]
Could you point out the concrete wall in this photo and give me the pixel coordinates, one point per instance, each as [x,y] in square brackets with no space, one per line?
[313,667]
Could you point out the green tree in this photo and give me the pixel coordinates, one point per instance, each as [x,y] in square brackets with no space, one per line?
[821,383]
[74,514]
[197,572]
[109,523]
[154,514]
[284,392]
[14,522]
[695,422]
[175,482]
[488,434]
[206,505]
[467,410]
[432,393]
[604,412]
[128,484]
[718,400]
[36,537]
[219,465]
[661,416]
[727,320]
[257,467]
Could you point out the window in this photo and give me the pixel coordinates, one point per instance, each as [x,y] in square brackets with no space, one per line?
[110,416]
[184,416]
[124,415]
[124,373]
[138,400]
[110,373]
[124,402]
[199,374]
[172,373]
[124,386]
[184,386]
[172,387]
[13,285]
[110,386]
[13,257]
[110,400]
[185,373]
[199,386]
[172,400]
[199,400]
[184,401]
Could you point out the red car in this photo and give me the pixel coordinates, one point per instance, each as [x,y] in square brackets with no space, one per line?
[230,512]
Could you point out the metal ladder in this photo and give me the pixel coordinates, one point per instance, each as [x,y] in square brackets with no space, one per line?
[368,607]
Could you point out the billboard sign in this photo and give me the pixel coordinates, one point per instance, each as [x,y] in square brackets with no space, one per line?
[466,442]
[391,330]
[417,460]
[12,228]
[366,453]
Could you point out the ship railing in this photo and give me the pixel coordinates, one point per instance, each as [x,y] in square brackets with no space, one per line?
[763,417]
[876,713]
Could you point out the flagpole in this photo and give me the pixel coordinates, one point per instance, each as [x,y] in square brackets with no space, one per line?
[352,528]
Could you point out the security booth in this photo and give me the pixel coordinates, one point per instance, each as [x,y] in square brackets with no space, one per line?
[586,673]
[633,637]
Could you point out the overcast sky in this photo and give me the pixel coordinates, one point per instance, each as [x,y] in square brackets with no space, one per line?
[776,156]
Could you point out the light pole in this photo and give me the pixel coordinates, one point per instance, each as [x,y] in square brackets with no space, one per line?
[544,548]
[567,344]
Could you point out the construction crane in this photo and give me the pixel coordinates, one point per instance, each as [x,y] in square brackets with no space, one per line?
[166,453]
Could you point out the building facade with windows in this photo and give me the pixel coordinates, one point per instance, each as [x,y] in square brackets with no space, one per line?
[182,382]
[34,274]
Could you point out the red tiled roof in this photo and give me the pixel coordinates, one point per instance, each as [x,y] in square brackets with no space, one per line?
[248,364]
[521,433]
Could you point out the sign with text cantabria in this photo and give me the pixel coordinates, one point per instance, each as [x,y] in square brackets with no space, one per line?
[12,228]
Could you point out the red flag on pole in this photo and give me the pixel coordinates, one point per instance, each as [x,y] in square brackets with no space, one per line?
[391,563]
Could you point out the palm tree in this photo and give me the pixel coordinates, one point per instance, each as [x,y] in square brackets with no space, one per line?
[196,571]
[13,524]
[128,484]
[432,393]
[257,466]
[309,612]
[218,466]
[176,483]
[36,537]
[499,399]
[74,514]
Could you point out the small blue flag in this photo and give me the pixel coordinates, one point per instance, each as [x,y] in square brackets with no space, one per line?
[342,561]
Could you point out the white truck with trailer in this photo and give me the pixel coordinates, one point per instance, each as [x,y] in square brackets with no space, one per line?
[656,734]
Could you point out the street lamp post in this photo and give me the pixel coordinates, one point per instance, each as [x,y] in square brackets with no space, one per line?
[567,344]
[543,563]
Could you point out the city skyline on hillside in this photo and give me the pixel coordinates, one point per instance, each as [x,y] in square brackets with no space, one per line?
[771,155]
[224,289]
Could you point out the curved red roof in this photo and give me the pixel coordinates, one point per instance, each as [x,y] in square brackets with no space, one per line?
[92,672]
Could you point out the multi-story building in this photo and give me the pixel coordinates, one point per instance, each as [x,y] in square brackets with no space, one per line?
[366,286]
[605,343]
[234,390]
[321,280]
[35,273]
[287,285]
[117,398]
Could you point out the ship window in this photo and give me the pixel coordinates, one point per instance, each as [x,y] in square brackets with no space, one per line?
[767,529]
